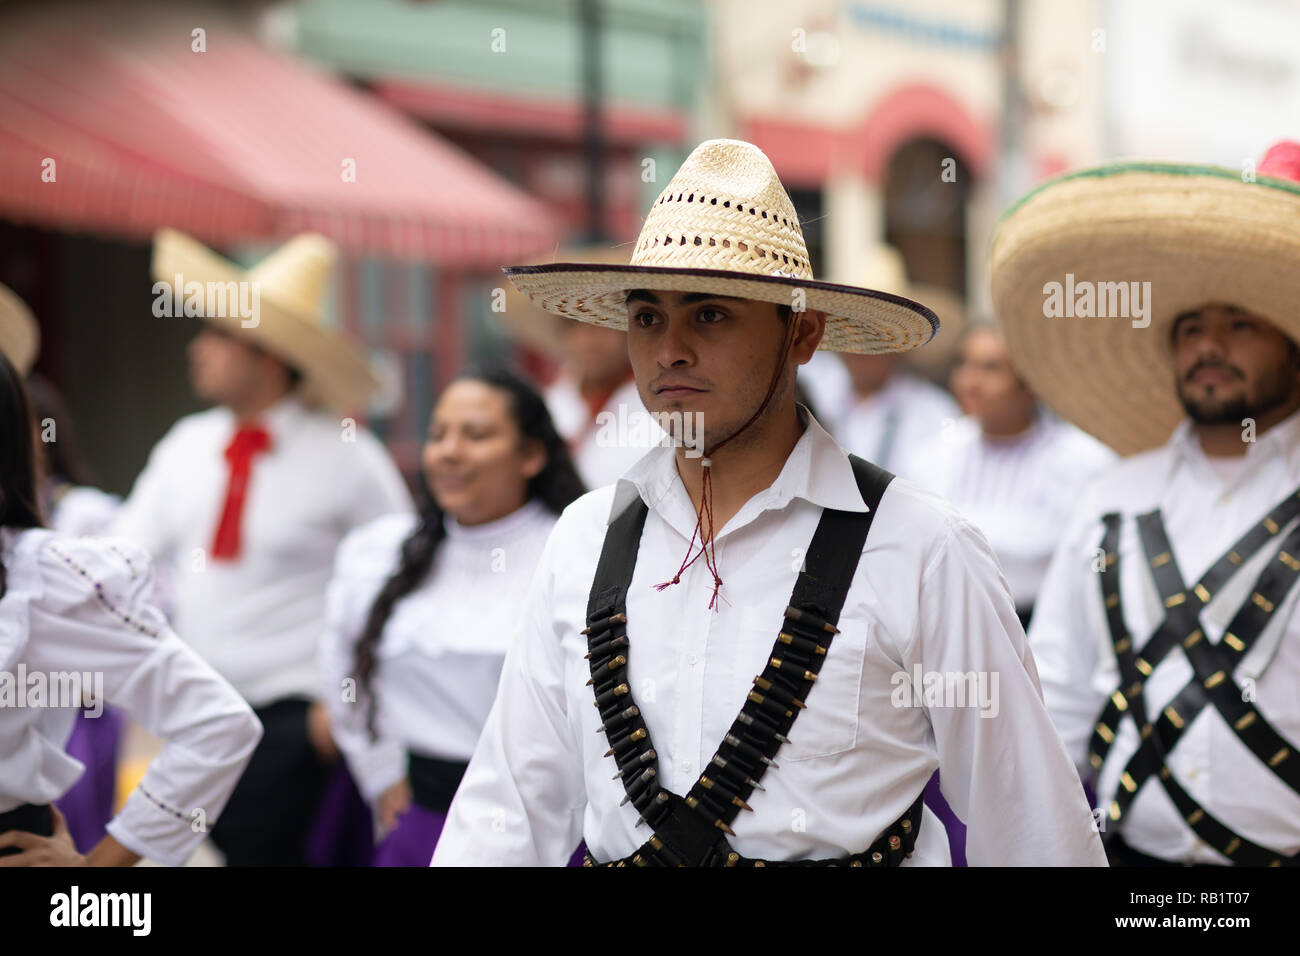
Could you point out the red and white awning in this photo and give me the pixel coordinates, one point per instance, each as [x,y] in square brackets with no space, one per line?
[112,123]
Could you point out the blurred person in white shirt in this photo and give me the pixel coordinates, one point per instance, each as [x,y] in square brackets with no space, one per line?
[248,501]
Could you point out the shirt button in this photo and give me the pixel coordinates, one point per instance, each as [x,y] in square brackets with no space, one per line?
[692,659]
[688,767]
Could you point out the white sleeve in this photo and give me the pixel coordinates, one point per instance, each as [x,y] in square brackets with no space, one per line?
[1065,634]
[376,764]
[95,617]
[1003,769]
[522,798]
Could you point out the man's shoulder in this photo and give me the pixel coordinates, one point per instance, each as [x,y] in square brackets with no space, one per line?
[209,425]
[911,514]
[926,395]
[1130,484]
[587,515]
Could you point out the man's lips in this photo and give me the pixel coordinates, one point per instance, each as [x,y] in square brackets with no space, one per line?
[1213,374]
[679,390]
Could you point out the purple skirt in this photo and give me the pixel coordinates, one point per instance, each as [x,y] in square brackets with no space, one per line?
[956,829]
[89,804]
[342,834]
[413,840]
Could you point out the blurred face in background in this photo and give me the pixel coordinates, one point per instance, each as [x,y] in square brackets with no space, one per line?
[597,355]
[869,372]
[987,387]
[1231,365]
[227,371]
[475,462]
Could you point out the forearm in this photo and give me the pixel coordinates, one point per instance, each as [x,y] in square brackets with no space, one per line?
[108,852]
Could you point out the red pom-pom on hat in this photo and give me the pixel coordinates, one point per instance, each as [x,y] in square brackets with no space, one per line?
[1282,161]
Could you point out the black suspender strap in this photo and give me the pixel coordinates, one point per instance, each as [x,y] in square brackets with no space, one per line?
[690,830]
[1213,664]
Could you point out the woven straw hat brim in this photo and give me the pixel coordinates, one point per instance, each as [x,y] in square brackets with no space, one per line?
[545,331]
[857,320]
[20,336]
[1198,234]
[335,373]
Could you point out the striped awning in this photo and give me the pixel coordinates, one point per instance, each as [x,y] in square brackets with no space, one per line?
[113,122]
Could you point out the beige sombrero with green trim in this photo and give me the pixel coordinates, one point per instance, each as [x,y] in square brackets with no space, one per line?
[291,284]
[725,225]
[1196,234]
[20,336]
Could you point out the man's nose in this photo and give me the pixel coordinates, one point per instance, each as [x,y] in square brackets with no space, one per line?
[674,342]
[1212,344]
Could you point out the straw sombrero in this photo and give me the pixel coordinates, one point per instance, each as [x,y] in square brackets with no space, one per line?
[20,336]
[725,225]
[291,284]
[1197,234]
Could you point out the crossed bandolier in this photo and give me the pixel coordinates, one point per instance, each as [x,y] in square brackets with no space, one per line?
[689,830]
[1214,664]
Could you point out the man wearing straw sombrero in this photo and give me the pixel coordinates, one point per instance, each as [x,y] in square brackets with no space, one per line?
[250,499]
[1166,630]
[629,713]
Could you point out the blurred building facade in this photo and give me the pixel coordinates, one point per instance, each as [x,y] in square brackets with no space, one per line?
[508,82]
[911,123]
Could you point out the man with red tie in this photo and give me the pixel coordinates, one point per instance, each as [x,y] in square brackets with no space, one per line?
[247,502]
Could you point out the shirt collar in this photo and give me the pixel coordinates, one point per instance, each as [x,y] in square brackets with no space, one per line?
[817,470]
[502,527]
[1282,439]
[279,418]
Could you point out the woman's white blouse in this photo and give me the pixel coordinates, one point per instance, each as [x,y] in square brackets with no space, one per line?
[79,606]
[442,648]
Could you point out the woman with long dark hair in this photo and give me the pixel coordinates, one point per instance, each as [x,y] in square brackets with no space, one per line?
[73,505]
[422,608]
[77,630]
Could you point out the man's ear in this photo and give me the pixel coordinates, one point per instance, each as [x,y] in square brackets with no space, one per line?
[808,334]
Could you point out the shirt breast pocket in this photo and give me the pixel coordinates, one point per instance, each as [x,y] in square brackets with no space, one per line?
[829,723]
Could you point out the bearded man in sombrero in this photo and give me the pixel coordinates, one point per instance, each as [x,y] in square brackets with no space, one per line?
[1166,631]
[786,698]
[248,502]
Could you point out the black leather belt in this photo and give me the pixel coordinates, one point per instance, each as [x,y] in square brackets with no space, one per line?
[434,781]
[893,847]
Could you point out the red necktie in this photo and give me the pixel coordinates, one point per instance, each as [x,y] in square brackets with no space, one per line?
[248,441]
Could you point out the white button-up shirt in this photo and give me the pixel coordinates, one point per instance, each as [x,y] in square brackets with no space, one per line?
[258,619]
[76,613]
[1203,517]
[442,647]
[1019,491]
[927,597]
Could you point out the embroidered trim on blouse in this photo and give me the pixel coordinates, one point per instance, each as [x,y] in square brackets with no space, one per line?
[160,804]
[103,599]
[130,565]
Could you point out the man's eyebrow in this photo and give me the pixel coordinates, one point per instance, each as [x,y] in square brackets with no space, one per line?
[688,298]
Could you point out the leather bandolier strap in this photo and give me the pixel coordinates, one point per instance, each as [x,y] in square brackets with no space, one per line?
[1213,663]
[692,830]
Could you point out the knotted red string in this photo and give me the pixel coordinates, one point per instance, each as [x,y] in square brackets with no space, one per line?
[705,508]
[247,442]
